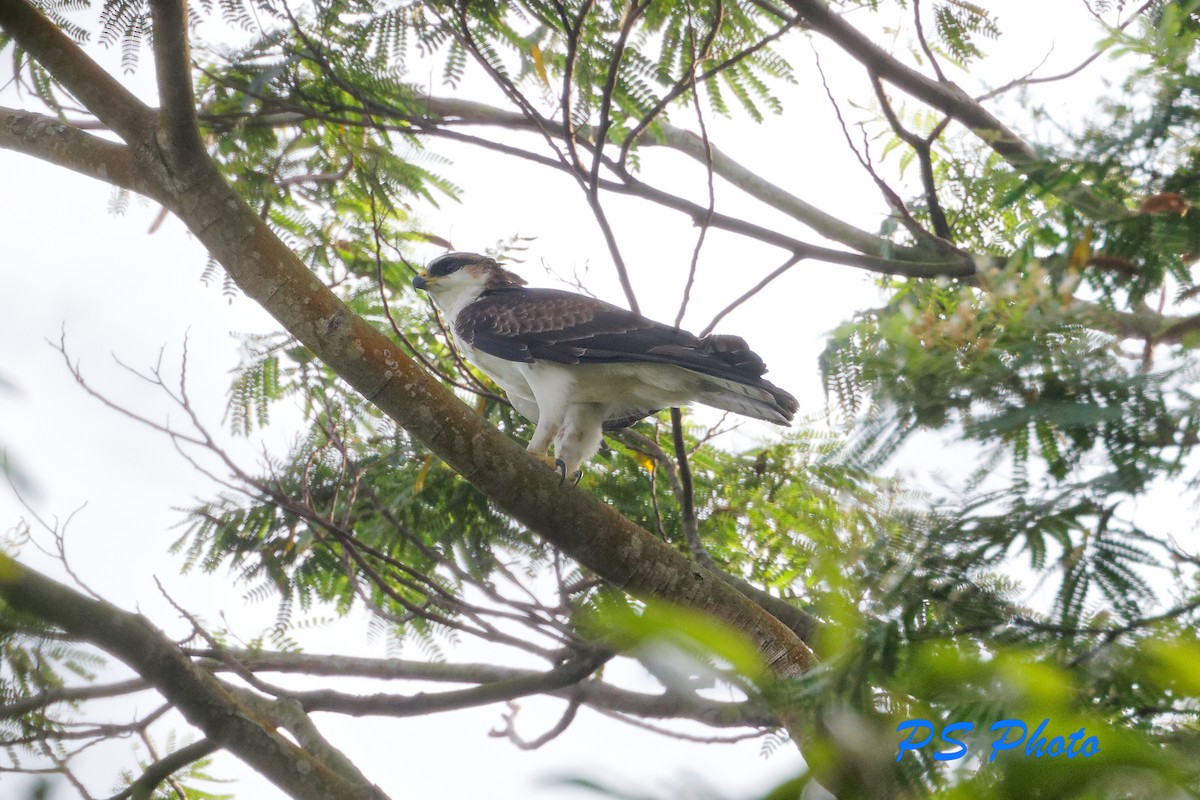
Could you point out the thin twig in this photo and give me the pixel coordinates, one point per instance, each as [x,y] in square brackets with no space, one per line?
[708,168]
[755,289]
[1028,78]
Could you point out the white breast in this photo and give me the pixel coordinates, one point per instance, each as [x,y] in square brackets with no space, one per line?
[508,375]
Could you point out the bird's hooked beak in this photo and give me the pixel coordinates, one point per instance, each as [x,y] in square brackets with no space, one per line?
[423,282]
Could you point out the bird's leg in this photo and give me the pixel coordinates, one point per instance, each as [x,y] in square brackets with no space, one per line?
[539,446]
[579,438]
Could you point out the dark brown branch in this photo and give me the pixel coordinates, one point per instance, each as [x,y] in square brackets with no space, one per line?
[71,695]
[595,694]
[753,290]
[143,788]
[687,500]
[708,160]
[198,696]
[80,731]
[104,96]
[509,731]
[925,48]
[567,674]
[923,147]
[948,98]
[592,188]
[957,265]
[687,737]
[1029,80]
[864,159]
[62,768]
[571,34]
[632,13]
[178,128]
[798,620]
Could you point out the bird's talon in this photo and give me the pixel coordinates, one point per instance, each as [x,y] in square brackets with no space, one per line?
[561,466]
[577,477]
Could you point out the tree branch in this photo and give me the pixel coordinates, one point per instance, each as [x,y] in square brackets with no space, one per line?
[287,714]
[510,688]
[509,731]
[205,702]
[753,290]
[581,525]
[71,695]
[923,147]
[594,693]
[63,145]
[798,620]
[178,128]
[688,143]
[946,97]
[912,262]
[143,788]
[1029,79]
[104,96]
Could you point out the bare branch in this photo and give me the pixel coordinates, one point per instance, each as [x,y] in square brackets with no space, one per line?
[1029,79]
[687,502]
[568,674]
[753,290]
[595,693]
[202,700]
[799,621]
[948,98]
[162,769]
[925,48]
[509,731]
[923,147]
[708,162]
[64,145]
[687,737]
[900,260]
[71,695]
[177,124]
[864,159]
[104,96]
[693,146]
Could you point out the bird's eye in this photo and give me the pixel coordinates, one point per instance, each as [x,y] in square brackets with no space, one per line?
[451,262]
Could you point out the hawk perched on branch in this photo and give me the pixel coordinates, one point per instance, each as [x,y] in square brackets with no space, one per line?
[575,365]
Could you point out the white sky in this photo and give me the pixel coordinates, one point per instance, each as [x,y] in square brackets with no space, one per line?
[70,265]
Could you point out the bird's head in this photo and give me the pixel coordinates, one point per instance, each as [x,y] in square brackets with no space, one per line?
[455,279]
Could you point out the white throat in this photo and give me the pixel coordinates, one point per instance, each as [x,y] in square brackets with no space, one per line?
[452,299]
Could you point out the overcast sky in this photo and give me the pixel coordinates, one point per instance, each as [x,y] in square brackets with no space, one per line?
[71,267]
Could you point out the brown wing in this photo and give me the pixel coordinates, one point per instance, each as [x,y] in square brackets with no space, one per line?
[520,324]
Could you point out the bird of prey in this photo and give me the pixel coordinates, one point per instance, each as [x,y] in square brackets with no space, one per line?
[575,365]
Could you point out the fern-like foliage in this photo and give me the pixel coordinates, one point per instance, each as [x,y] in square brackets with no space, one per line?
[959,24]
[36,659]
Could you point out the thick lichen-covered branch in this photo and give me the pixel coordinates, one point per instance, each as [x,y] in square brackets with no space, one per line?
[202,699]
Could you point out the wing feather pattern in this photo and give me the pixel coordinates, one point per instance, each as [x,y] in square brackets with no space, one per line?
[519,324]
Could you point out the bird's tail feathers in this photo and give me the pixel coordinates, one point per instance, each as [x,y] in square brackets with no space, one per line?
[763,400]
